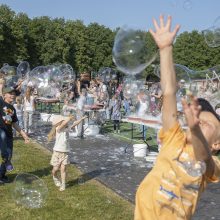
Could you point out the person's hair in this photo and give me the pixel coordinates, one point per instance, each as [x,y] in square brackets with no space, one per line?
[52,133]
[217,106]
[207,107]
[28,94]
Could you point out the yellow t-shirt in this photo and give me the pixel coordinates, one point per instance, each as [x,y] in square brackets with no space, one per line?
[168,192]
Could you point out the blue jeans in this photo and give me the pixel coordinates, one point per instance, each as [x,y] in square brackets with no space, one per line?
[6,147]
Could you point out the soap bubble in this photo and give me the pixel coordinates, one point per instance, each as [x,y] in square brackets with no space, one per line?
[9,75]
[183,80]
[56,76]
[187,4]
[68,74]
[131,87]
[47,80]
[133,50]
[23,69]
[182,72]
[208,86]
[212,34]
[106,74]
[29,191]
[11,81]
[194,168]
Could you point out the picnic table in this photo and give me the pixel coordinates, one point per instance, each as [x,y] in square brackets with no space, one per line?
[149,121]
[48,102]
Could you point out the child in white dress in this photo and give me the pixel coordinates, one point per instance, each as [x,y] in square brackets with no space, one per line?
[60,158]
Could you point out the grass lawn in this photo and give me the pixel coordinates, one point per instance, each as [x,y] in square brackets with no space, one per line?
[89,201]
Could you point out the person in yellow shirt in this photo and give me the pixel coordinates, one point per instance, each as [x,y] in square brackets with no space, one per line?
[185,163]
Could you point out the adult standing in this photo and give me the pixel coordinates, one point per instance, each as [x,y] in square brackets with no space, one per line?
[8,119]
[80,112]
[29,108]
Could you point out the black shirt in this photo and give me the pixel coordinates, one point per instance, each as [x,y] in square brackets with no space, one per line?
[7,117]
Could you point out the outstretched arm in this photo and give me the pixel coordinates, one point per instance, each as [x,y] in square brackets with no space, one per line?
[20,131]
[164,38]
[200,146]
[78,121]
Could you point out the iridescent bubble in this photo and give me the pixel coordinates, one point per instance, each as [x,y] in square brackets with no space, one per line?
[29,191]
[187,4]
[212,34]
[133,50]
[23,69]
[68,73]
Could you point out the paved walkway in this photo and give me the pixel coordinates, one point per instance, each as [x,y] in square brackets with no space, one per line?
[111,162]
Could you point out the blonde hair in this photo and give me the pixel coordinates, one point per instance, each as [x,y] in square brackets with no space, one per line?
[52,133]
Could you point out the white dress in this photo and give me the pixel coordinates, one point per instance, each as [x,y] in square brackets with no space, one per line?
[61,143]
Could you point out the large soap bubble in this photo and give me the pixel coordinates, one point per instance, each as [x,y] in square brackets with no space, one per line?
[133,50]
[29,191]
[212,34]
[68,73]
[23,69]
[48,80]
[182,72]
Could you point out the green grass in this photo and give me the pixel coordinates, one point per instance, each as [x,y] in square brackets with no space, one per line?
[125,134]
[91,201]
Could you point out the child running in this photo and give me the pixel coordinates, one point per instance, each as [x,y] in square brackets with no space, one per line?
[172,188]
[60,158]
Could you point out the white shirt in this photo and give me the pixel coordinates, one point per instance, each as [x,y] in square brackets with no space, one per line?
[61,142]
[29,106]
[19,110]
[81,102]
[142,108]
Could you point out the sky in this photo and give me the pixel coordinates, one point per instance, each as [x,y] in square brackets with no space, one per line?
[190,14]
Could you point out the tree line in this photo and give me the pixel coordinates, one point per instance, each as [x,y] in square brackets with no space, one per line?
[44,41]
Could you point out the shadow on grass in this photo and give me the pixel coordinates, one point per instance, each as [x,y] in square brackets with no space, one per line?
[88,176]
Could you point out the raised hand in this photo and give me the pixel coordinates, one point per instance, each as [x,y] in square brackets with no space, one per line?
[162,34]
[192,112]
